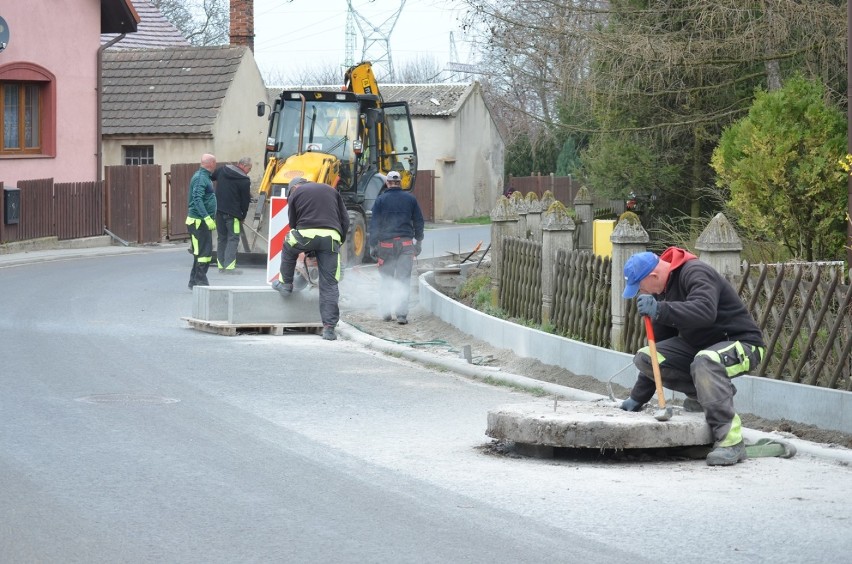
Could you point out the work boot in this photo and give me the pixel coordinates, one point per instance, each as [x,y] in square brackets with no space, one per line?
[233,271]
[727,456]
[328,333]
[286,290]
[691,405]
[387,317]
[631,404]
[402,320]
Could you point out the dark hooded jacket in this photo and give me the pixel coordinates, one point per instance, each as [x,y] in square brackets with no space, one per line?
[701,306]
[233,191]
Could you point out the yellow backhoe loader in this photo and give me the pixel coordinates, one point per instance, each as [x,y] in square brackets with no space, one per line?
[348,138]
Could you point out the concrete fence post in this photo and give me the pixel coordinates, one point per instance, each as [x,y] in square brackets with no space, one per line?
[534,210]
[720,246]
[504,223]
[583,210]
[628,238]
[557,233]
[520,205]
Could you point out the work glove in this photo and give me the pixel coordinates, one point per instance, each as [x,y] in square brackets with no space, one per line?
[211,223]
[418,248]
[646,304]
[631,404]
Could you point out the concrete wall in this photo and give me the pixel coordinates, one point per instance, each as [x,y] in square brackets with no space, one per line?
[63,37]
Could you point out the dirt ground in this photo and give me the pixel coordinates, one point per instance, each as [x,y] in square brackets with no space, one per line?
[427,333]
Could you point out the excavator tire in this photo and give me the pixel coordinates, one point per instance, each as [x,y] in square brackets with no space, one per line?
[357,242]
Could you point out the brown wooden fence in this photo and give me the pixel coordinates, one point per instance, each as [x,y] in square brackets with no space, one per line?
[803,309]
[133,202]
[79,209]
[805,313]
[66,210]
[563,188]
[581,298]
[424,191]
[520,286]
[177,198]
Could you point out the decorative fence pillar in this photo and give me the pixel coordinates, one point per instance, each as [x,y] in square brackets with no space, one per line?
[583,210]
[504,223]
[720,246]
[520,204]
[628,238]
[534,210]
[557,233]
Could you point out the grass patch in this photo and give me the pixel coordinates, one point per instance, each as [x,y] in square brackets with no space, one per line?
[475,220]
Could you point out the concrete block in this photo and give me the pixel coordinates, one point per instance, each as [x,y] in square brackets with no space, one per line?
[262,304]
[210,303]
[582,424]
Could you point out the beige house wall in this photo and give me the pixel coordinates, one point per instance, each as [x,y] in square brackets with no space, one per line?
[466,152]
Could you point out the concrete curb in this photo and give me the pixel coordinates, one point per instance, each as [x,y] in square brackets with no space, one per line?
[461,367]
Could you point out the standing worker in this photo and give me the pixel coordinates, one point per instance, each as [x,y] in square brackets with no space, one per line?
[705,337]
[233,193]
[200,222]
[396,237]
[319,223]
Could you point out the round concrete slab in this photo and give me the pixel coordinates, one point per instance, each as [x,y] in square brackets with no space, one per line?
[577,424]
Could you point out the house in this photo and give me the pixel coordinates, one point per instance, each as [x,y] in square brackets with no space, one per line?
[456,137]
[49,76]
[171,105]
[167,102]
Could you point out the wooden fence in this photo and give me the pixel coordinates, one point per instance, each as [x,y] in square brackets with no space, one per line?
[804,310]
[64,210]
[805,313]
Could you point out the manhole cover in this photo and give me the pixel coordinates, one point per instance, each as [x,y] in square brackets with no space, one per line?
[127,398]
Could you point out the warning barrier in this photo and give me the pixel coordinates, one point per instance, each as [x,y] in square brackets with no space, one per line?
[279,226]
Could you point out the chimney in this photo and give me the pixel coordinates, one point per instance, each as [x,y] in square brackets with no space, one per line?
[242,23]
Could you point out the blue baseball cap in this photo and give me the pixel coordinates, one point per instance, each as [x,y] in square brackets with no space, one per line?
[636,269]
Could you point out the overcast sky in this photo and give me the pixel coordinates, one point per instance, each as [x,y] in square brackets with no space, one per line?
[291,36]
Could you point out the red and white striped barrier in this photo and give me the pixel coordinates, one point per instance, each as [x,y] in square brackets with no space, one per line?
[279,226]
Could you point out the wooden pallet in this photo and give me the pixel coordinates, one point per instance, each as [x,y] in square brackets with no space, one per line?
[233,329]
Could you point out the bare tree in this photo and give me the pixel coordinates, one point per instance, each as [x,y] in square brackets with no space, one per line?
[423,69]
[202,22]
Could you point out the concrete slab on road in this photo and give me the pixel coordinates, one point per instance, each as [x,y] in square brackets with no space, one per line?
[577,424]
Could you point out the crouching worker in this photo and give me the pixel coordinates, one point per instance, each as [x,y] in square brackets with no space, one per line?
[705,337]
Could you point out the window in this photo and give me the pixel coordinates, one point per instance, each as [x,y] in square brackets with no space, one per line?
[21,102]
[138,154]
[27,111]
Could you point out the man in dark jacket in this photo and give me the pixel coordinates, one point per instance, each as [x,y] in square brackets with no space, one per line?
[200,222]
[233,193]
[319,223]
[705,337]
[396,237]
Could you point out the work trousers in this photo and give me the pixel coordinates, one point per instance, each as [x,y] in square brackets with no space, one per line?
[327,252]
[704,375]
[395,260]
[201,247]
[228,229]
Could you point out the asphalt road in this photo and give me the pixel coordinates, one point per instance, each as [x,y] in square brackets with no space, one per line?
[129,437]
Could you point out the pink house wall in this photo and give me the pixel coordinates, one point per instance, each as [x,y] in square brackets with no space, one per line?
[62,37]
